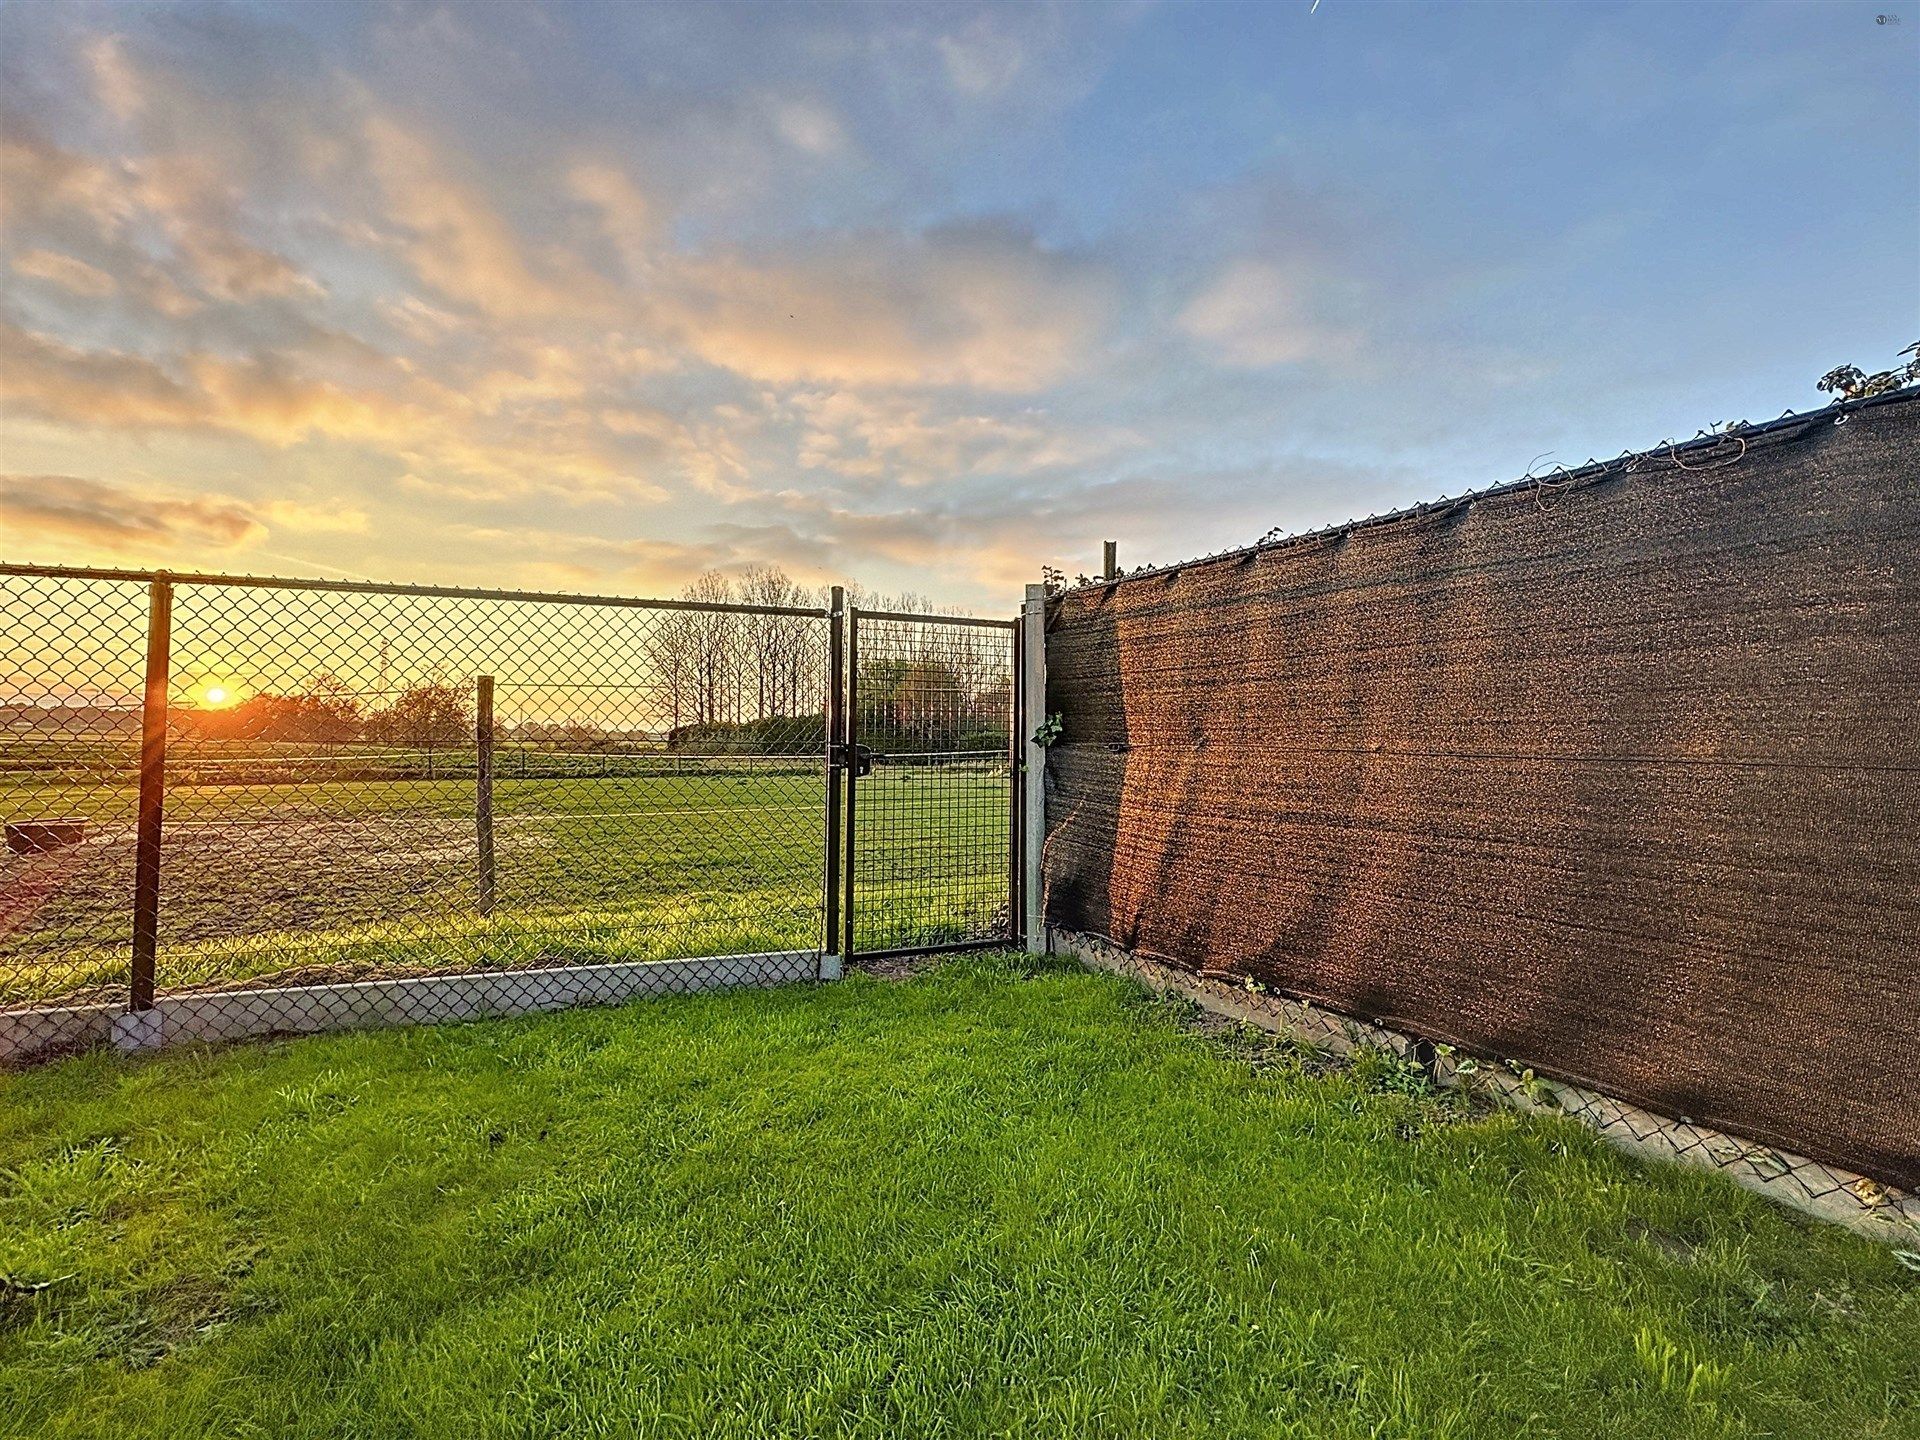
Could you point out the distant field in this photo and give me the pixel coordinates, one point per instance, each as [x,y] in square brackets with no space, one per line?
[370,875]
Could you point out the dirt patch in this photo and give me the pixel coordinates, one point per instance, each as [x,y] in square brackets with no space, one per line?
[896,967]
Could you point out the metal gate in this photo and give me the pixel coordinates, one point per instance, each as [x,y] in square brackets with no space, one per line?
[928,783]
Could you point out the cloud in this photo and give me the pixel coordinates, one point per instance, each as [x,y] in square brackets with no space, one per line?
[809,126]
[45,182]
[1258,313]
[452,235]
[840,287]
[50,380]
[546,558]
[983,306]
[627,218]
[499,436]
[982,58]
[228,268]
[116,82]
[71,509]
[329,519]
[163,224]
[914,442]
[70,274]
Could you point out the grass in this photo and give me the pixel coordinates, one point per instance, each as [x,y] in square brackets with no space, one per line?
[372,874]
[1003,1199]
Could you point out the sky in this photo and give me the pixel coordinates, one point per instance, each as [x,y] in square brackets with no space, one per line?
[598,297]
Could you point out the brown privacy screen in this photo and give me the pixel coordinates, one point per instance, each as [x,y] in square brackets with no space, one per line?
[1618,775]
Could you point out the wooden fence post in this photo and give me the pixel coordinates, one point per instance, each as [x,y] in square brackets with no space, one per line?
[483,788]
[153,792]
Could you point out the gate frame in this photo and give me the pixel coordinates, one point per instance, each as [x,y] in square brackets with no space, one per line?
[849,751]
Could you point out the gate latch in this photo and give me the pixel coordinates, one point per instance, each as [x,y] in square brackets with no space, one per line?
[860,757]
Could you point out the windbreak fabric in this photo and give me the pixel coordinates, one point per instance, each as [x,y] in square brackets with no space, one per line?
[1619,777]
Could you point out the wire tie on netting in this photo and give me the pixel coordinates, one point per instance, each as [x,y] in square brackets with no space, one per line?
[1673,453]
[1542,486]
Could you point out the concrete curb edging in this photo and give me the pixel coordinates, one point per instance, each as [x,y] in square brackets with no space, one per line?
[1823,1191]
[28,1034]
[405,1000]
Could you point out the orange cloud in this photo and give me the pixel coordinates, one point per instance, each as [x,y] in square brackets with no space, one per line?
[72,509]
[455,240]
[66,271]
[914,443]
[983,308]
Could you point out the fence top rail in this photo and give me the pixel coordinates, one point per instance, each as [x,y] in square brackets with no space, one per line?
[911,618]
[377,587]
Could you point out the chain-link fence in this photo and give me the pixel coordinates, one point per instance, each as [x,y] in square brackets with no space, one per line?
[930,820]
[1831,1192]
[297,795]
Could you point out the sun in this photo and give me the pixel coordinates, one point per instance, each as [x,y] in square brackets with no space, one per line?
[217,694]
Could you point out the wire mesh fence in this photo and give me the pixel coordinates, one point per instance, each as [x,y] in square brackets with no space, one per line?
[70,707]
[931,858]
[1831,1192]
[211,784]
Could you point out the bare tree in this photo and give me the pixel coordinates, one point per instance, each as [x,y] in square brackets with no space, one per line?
[716,663]
[777,644]
[672,644]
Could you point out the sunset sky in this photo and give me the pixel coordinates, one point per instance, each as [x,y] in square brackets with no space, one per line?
[597,297]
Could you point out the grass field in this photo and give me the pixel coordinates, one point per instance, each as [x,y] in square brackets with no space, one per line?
[368,875]
[1004,1199]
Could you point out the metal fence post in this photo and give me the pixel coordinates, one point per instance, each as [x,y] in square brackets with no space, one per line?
[153,794]
[830,947]
[1016,789]
[483,790]
[850,767]
[1033,684]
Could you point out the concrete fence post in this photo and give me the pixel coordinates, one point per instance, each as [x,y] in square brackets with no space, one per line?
[1033,686]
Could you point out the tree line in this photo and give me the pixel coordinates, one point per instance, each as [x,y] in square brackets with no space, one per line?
[712,680]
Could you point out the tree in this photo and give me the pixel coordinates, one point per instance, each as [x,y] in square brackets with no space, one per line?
[431,715]
[915,703]
[324,713]
[715,636]
[670,648]
[779,646]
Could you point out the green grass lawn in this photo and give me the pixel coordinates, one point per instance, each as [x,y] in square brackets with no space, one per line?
[372,875]
[1003,1199]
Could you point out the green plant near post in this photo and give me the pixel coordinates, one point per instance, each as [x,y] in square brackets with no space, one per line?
[1049,731]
